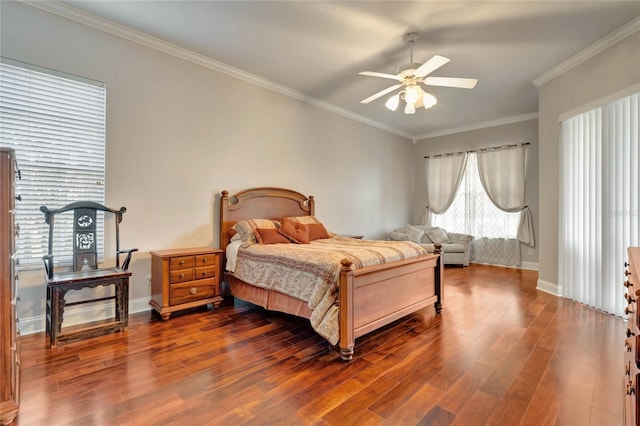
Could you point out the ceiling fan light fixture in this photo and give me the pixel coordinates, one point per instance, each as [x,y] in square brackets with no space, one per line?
[393,102]
[428,100]
[410,109]
[412,94]
[410,78]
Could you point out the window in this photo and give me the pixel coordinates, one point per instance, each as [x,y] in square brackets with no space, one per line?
[472,212]
[56,124]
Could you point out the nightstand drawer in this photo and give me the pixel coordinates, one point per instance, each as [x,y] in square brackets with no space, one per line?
[205,272]
[189,292]
[181,262]
[206,260]
[181,276]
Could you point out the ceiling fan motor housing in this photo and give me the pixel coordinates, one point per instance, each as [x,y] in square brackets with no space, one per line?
[408,70]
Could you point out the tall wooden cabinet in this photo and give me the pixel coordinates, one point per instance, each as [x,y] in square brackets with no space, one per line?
[9,345]
[632,339]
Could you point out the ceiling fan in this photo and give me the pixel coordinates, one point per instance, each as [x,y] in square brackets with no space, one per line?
[411,77]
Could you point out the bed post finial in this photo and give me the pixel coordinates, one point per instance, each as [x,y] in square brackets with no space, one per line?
[312,205]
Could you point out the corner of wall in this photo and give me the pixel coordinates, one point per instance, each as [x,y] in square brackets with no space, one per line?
[548,287]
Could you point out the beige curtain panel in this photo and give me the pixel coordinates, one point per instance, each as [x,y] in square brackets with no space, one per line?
[444,174]
[502,174]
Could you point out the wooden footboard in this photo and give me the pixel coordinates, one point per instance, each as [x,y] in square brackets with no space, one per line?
[373,297]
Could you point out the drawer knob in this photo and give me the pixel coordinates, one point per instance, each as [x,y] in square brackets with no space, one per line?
[628,311]
[630,389]
[193,290]
[628,298]
[627,272]
[181,275]
[204,260]
[630,333]
[204,273]
[182,262]
[627,344]
[627,284]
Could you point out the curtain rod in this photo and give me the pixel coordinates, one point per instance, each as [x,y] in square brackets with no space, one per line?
[492,148]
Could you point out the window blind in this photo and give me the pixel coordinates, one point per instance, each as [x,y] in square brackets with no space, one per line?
[599,202]
[56,124]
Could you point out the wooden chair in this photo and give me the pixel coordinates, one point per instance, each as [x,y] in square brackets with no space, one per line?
[85,273]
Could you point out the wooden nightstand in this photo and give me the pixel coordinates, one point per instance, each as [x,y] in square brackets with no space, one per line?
[184,278]
[357,237]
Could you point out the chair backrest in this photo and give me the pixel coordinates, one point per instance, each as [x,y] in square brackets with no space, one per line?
[85,238]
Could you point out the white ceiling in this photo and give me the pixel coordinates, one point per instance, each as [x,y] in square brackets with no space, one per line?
[316,49]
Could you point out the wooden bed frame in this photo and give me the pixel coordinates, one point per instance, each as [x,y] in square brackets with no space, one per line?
[369,298]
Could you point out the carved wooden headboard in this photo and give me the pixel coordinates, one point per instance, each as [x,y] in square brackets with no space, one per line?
[260,203]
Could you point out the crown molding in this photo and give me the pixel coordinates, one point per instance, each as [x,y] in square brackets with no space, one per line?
[597,47]
[130,34]
[493,123]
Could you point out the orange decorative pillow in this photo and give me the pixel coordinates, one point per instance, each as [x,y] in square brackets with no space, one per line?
[317,231]
[270,236]
[295,231]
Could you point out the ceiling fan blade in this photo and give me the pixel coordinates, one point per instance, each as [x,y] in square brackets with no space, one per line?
[380,93]
[380,74]
[431,65]
[462,83]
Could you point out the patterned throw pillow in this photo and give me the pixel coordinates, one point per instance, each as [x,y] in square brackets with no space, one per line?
[246,228]
[438,235]
[304,219]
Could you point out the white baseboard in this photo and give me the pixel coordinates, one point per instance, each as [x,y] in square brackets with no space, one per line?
[82,315]
[548,287]
[523,265]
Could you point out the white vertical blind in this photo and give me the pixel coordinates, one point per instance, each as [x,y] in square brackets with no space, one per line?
[56,124]
[599,203]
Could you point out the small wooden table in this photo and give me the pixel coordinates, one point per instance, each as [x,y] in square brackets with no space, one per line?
[59,284]
[357,237]
[184,278]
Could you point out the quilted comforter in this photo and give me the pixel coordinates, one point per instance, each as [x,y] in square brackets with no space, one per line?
[310,272]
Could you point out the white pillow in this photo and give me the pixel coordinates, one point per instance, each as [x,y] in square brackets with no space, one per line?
[414,234]
[398,236]
[438,236]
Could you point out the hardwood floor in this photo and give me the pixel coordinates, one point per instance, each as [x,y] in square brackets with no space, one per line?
[501,353]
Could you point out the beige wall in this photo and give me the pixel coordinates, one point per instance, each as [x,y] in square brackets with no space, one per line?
[179,133]
[608,72]
[523,131]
